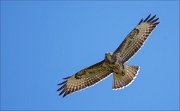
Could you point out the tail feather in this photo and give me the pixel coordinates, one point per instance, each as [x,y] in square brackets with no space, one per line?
[125,78]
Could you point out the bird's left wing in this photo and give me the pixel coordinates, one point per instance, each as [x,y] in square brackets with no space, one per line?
[136,38]
[84,78]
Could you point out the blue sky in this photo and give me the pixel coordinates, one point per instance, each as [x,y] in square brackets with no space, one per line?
[42,42]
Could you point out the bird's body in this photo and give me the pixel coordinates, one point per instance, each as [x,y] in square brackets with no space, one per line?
[114,63]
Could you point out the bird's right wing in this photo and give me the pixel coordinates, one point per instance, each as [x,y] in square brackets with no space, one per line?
[136,38]
[84,78]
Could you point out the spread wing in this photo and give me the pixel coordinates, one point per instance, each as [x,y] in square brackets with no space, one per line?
[84,78]
[136,38]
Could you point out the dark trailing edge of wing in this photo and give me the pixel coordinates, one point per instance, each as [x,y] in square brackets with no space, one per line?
[150,19]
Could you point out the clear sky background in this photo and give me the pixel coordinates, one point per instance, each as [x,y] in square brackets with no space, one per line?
[42,42]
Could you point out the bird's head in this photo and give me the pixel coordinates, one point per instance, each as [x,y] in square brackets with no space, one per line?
[109,57]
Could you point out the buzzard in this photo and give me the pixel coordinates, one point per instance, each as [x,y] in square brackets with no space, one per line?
[113,63]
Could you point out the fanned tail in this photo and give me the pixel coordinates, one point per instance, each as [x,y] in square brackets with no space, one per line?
[126,77]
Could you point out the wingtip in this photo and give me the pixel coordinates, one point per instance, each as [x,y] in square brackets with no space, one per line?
[65,94]
[62,87]
[150,19]
[140,21]
[61,92]
[61,83]
[153,20]
[156,23]
[147,18]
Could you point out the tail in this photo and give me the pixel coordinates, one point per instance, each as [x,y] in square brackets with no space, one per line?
[126,77]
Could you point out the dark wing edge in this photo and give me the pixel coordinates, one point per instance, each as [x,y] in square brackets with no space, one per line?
[150,20]
[91,79]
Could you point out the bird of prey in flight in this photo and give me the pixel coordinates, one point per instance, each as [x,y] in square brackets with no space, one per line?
[113,63]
